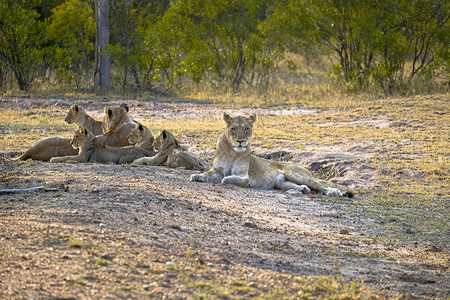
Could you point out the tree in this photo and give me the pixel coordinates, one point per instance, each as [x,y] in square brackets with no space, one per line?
[411,39]
[102,73]
[130,19]
[72,29]
[389,42]
[21,40]
[226,38]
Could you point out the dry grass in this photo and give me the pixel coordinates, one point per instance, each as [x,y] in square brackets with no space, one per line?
[411,135]
[411,191]
[134,273]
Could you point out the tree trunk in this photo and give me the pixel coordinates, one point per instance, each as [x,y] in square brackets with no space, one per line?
[102,74]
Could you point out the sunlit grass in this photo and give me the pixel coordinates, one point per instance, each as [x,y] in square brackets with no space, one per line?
[410,137]
[21,128]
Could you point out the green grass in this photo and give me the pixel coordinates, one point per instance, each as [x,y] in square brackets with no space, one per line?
[103,262]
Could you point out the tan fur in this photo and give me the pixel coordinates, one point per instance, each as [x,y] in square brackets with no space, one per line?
[78,116]
[117,125]
[91,149]
[49,147]
[171,153]
[142,137]
[233,163]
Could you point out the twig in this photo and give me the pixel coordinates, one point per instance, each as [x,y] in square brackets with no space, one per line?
[30,190]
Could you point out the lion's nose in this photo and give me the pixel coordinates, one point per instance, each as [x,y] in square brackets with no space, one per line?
[240,141]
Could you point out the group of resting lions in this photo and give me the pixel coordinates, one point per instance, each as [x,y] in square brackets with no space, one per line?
[118,138]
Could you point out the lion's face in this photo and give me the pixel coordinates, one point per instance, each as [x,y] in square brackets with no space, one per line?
[160,140]
[72,114]
[136,135]
[79,137]
[239,131]
[114,116]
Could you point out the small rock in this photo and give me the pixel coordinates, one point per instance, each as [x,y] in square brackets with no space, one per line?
[249,224]
[102,225]
[433,249]
[107,257]
[171,263]
[344,231]
[149,287]
[199,261]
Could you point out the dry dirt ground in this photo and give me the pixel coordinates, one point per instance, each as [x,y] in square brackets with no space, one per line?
[114,231]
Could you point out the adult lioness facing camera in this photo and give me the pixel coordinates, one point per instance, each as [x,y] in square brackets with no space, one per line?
[233,163]
[91,149]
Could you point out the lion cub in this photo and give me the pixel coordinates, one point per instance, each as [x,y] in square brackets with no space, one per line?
[117,125]
[142,137]
[91,149]
[78,116]
[233,163]
[47,148]
[172,154]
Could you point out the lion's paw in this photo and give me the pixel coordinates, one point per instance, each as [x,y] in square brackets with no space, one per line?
[139,161]
[228,180]
[304,189]
[333,192]
[198,177]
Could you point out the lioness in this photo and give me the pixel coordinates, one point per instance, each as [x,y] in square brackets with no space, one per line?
[78,116]
[142,137]
[117,125]
[49,147]
[233,163]
[171,153]
[91,149]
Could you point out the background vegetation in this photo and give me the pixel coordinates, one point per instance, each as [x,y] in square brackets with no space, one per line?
[389,47]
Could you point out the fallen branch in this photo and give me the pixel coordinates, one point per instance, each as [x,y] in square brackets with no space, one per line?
[33,189]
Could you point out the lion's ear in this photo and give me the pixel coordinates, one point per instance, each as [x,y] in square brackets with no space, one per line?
[164,134]
[252,119]
[125,106]
[227,118]
[74,107]
[140,127]
[108,111]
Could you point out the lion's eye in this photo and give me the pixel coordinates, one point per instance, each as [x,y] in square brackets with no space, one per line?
[233,130]
[246,129]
